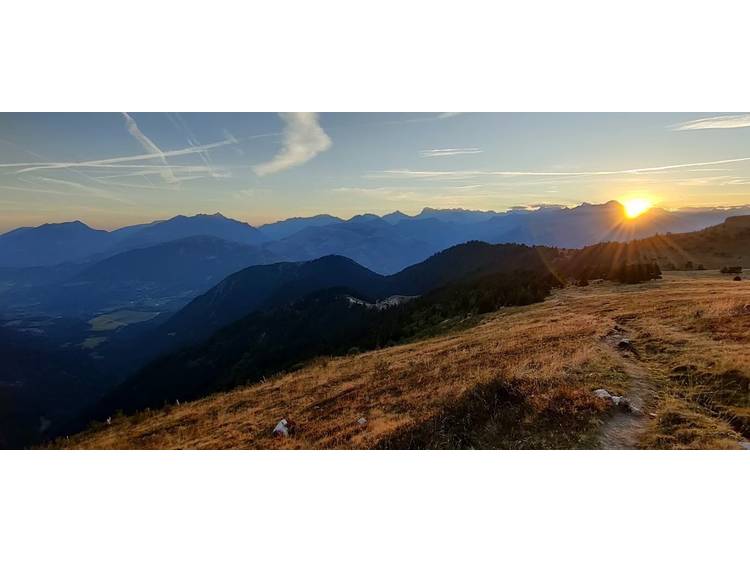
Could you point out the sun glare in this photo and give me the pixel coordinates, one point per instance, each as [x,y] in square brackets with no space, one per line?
[636,207]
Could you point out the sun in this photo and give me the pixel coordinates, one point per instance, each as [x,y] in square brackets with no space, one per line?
[636,207]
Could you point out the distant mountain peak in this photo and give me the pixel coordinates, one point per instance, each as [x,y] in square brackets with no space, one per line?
[395,217]
[318,217]
[216,215]
[364,217]
[69,224]
[333,258]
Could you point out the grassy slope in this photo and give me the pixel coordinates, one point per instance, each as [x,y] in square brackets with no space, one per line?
[521,378]
[713,247]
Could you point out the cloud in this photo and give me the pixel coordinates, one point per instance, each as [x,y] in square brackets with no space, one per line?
[433,152]
[180,123]
[150,147]
[720,122]
[94,191]
[35,190]
[120,161]
[387,193]
[303,140]
[113,162]
[427,117]
[150,171]
[463,174]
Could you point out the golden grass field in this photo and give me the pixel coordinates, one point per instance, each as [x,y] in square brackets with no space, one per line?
[520,378]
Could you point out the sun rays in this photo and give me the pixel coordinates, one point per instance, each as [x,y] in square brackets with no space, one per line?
[636,206]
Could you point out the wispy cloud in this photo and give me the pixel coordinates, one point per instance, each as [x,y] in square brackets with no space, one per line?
[425,118]
[116,162]
[434,152]
[135,161]
[93,191]
[303,140]
[719,122]
[390,194]
[463,174]
[156,170]
[35,190]
[204,155]
[150,147]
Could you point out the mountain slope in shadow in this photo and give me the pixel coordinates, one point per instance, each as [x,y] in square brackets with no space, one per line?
[172,272]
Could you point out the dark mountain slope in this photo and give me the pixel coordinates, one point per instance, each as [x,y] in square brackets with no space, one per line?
[262,342]
[176,271]
[41,387]
[264,285]
[194,261]
[469,260]
[269,317]
[16,278]
[328,322]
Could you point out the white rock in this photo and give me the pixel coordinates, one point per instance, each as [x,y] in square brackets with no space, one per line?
[281,429]
[619,401]
[361,421]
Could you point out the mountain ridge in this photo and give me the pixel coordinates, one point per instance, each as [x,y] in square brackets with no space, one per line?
[385,244]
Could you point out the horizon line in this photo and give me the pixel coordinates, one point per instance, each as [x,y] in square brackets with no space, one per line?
[516,208]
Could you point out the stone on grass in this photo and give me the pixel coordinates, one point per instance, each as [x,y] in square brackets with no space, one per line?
[618,401]
[281,429]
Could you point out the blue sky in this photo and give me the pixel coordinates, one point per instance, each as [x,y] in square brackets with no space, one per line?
[112,169]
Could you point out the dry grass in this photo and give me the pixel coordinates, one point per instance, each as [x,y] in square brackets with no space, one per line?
[520,378]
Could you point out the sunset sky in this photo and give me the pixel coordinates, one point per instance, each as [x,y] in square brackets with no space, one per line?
[113,169]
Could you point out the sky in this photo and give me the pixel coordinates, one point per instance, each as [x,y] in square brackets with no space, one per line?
[115,169]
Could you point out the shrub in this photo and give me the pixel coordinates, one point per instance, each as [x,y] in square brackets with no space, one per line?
[731,269]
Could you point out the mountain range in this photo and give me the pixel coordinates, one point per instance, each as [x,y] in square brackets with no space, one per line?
[53,244]
[384,244]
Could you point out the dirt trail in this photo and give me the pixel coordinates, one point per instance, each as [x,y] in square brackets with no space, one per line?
[623,428]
